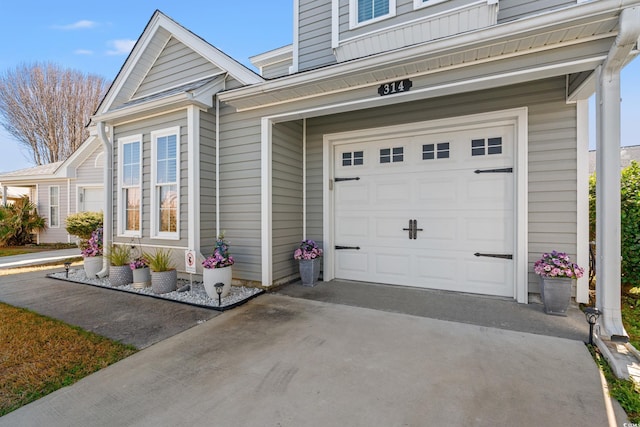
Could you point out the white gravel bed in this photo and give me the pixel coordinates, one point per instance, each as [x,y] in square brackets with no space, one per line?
[196,295]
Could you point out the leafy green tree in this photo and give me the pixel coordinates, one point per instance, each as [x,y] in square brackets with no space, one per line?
[629,220]
[18,222]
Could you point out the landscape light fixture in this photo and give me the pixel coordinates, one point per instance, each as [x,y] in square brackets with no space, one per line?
[219,287]
[66,269]
[592,314]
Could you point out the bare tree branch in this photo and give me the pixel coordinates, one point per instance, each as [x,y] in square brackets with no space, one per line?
[46,108]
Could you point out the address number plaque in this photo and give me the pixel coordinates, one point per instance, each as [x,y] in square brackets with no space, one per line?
[395,87]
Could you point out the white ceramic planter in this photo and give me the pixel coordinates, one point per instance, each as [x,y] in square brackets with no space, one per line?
[141,278]
[211,276]
[92,266]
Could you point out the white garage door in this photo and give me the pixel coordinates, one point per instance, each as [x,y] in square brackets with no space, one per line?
[433,210]
[91,199]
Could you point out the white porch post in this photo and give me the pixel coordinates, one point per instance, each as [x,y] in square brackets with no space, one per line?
[4,195]
[608,202]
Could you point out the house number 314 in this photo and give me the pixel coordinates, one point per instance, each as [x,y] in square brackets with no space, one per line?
[395,87]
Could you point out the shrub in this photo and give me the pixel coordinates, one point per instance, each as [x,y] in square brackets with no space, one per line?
[630,221]
[82,224]
[119,255]
[19,221]
[159,261]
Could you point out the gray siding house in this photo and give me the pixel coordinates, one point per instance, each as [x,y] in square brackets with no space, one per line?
[63,188]
[427,143]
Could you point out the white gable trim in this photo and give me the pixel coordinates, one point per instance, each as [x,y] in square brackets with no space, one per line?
[241,73]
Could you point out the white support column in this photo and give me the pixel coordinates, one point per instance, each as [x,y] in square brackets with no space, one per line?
[582,208]
[608,240]
[266,202]
[193,178]
[4,195]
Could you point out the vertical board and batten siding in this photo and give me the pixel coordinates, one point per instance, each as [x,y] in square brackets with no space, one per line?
[207,166]
[58,234]
[240,190]
[176,65]
[287,202]
[314,34]
[516,9]
[145,127]
[551,153]
[141,67]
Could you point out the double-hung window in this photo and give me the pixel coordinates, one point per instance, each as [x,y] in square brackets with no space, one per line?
[366,11]
[130,179]
[165,163]
[54,206]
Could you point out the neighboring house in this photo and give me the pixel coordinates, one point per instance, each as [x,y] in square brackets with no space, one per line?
[62,188]
[436,144]
[627,154]
[9,195]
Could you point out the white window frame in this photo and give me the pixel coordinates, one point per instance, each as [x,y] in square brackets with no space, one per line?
[353,14]
[122,203]
[155,207]
[419,4]
[51,205]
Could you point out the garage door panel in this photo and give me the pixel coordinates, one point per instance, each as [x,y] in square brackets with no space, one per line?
[458,211]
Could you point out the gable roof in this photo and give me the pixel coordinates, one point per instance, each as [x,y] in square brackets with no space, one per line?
[159,31]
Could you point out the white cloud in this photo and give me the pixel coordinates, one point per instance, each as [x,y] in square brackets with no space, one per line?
[83,52]
[121,47]
[79,25]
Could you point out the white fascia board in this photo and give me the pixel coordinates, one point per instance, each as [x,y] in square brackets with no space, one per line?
[281,54]
[181,100]
[507,30]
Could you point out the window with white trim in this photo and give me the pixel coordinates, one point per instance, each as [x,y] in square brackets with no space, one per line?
[417,4]
[54,206]
[367,11]
[130,181]
[165,161]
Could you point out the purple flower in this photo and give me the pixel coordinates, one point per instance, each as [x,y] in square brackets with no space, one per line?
[308,249]
[557,264]
[220,257]
[93,246]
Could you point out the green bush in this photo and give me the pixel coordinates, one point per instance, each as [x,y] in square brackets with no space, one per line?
[82,224]
[119,255]
[629,219]
[18,222]
[160,260]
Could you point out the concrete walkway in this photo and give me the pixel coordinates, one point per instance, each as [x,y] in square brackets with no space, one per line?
[283,361]
[37,258]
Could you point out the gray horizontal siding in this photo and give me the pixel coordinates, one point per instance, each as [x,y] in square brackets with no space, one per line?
[58,234]
[278,69]
[552,153]
[177,64]
[207,181]
[287,197]
[145,127]
[314,34]
[515,9]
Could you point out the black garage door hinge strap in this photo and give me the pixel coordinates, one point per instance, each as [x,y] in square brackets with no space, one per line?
[357,178]
[503,170]
[503,256]
[348,247]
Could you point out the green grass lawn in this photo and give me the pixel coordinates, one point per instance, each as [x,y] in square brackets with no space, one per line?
[19,250]
[39,355]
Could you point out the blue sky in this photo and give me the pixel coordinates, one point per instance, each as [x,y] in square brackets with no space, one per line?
[96,39]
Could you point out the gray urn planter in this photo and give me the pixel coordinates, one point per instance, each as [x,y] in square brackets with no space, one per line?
[120,275]
[92,266]
[309,271]
[164,281]
[556,294]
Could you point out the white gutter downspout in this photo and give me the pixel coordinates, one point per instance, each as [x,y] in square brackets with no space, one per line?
[108,196]
[608,229]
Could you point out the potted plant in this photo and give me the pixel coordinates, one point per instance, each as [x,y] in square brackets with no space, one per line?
[141,272]
[308,254]
[556,272]
[164,276]
[217,269]
[119,271]
[92,253]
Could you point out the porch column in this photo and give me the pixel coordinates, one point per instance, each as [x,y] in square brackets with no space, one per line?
[608,227]
[4,195]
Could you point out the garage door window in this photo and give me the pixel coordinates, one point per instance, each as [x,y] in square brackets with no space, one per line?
[484,147]
[355,158]
[392,155]
[435,151]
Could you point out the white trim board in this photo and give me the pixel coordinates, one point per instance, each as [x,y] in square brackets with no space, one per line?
[516,117]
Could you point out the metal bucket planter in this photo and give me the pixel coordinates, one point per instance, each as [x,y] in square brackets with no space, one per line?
[120,275]
[141,278]
[164,281]
[92,266]
[556,294]
[309,271]
[211,276]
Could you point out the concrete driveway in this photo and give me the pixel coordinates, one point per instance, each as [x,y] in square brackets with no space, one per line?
[284,361]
